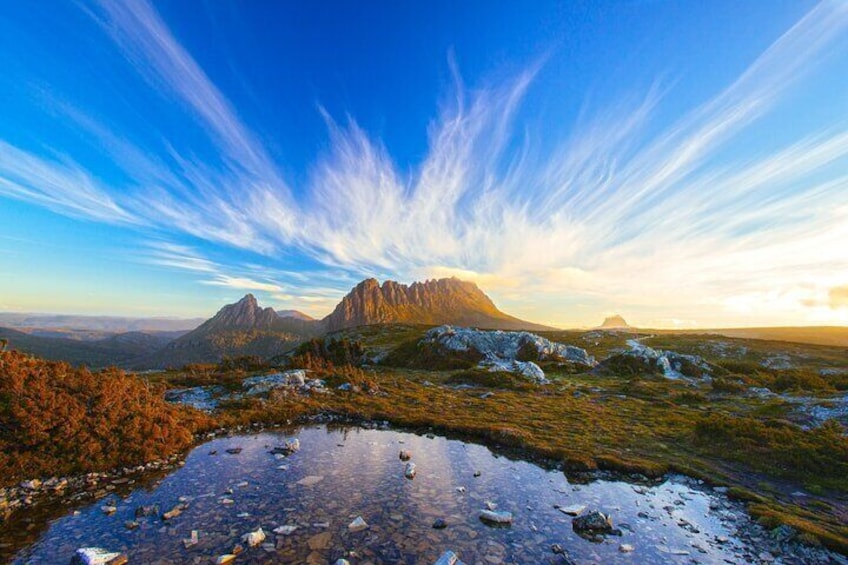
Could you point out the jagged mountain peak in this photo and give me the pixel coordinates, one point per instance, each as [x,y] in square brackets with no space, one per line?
[434,301]
[244,314]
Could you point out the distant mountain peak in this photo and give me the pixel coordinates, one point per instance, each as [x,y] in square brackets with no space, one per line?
[614,322]
[296,314]
[244,314]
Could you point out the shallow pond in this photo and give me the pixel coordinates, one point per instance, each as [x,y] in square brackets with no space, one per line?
[341,473]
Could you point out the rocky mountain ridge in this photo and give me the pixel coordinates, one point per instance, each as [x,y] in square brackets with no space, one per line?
[432,302]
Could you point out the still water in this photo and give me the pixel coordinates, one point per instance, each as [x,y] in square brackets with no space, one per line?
[340,474]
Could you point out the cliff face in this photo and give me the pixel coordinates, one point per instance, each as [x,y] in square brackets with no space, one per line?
[442,301]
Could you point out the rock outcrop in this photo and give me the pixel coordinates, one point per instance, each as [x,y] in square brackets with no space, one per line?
[442,301]
[507,345]
[514,352]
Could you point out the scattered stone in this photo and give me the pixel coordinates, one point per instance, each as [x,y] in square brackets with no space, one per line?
[477,474]
[357,525]
[310,480]
[34,484]
[320,542]
[342,562]
[594,522]
[192,541]
[254,538]
[234,450]
[405,455]
[131,524]
[174,512]
[109,509]
[97,556]
[460,489]
[439,524]
[573,509]
[224,559]
[285,530]
[448,558]
[409,472]
[495,517]
[491,505]
[625,548]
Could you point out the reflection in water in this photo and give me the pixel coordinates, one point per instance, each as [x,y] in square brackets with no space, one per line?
[355,472]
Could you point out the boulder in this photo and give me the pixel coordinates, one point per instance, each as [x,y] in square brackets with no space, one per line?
[507,345]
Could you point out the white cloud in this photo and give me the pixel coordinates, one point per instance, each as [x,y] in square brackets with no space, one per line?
[242,283]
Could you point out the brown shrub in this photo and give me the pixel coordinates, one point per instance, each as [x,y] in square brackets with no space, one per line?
[56,419]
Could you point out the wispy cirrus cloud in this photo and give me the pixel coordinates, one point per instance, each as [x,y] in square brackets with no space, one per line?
[617,212]
[58,184]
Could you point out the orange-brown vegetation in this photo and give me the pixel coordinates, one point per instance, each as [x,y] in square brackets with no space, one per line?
[56,419]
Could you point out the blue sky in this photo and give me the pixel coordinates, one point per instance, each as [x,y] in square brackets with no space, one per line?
[680,163]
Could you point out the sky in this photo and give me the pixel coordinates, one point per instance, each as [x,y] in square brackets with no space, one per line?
[683,164]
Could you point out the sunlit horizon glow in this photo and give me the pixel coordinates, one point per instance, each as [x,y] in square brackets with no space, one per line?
[676,200]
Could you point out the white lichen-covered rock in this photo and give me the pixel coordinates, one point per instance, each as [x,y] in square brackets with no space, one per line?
[201,397]
[264,384]
[527,369]
[669,362]
[506,345]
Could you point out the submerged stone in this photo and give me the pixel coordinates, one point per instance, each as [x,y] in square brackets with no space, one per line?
[254,538]
[409,472]
[97,556]
[357,525]
[594,522]
[496,517]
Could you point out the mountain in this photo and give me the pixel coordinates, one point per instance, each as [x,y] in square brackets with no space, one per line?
[243,328]
[246,328]
[296,314]
[615,322]
[244,314]
[434,302]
